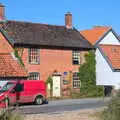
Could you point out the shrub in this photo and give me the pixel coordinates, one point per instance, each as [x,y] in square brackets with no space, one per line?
[14,117]
[10,116]
[112,112]
[50,81]
[75,95]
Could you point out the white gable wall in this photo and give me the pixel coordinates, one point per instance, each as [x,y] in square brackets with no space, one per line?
[110,39]
[104,73]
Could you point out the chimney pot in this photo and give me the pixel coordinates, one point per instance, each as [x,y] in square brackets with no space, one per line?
[68,20]
[2,17]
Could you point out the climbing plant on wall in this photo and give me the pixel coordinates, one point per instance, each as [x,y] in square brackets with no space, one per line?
[87,74]
[18,56]
[49,81]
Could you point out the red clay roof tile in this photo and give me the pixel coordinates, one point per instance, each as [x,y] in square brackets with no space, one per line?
[95,33]
[9,67]
[112,52]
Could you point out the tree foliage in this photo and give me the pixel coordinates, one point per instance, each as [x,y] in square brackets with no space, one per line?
[112,110]
[87,73]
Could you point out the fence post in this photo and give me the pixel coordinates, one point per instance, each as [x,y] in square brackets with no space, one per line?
[6,102]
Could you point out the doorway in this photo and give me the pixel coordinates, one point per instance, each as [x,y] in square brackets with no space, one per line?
[56,85]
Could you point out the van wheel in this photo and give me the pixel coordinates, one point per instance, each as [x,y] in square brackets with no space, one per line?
[38,100]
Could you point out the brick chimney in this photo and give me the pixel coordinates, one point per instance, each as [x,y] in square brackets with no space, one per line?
[2,17]
[68,20]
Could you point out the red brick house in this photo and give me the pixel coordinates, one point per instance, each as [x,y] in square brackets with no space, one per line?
[45,48]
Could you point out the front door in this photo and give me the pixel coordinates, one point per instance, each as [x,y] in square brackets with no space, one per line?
[56,86]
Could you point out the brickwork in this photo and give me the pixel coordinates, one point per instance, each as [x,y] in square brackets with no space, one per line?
[82,55]
[50,61]
[5,47]
[54,60]
[2,12]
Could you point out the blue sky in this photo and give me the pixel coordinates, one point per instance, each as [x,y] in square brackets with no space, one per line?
[86,13]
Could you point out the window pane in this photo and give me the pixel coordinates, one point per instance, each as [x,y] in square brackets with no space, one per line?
[76,80]
[76,57]
[33,55]
[34,76]
[6,87]
[75,62]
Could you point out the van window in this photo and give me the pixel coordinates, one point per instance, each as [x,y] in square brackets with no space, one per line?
[6,87]
[19,87]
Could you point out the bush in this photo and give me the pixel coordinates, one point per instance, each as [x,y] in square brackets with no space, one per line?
[9,115]
[14,117]
[112,112]
[50,81]
[75,95]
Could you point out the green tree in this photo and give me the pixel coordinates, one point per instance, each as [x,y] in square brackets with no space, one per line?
[87,73]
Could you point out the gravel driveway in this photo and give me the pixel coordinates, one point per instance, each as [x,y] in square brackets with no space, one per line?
[72,115]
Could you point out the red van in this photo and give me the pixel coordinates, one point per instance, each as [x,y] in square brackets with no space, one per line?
[24,91]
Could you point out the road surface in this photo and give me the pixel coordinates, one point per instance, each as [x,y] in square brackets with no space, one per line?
[64,105]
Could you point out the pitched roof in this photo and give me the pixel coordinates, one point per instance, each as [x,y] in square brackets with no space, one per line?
[25,33]
[94,34]
[9,67]
[112,55]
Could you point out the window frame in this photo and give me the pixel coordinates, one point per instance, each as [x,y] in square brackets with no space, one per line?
[76,57]
[78,80]
[37,73]
[37,57]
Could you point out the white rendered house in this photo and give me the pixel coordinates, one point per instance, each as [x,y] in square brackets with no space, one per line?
[107,45]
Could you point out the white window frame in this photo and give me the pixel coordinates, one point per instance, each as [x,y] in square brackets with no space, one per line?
[34,76]
[76,80]
[34,59]
[76,57]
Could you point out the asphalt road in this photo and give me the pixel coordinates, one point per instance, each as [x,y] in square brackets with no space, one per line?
[64,105]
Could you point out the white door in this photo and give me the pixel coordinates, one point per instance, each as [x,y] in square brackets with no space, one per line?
[56,86]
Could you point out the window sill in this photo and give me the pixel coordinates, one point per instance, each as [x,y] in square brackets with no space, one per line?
[34,63]
[76,87]
[75,64]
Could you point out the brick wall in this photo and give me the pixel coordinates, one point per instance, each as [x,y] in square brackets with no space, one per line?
[5,47]
[82,55]
[51,60]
